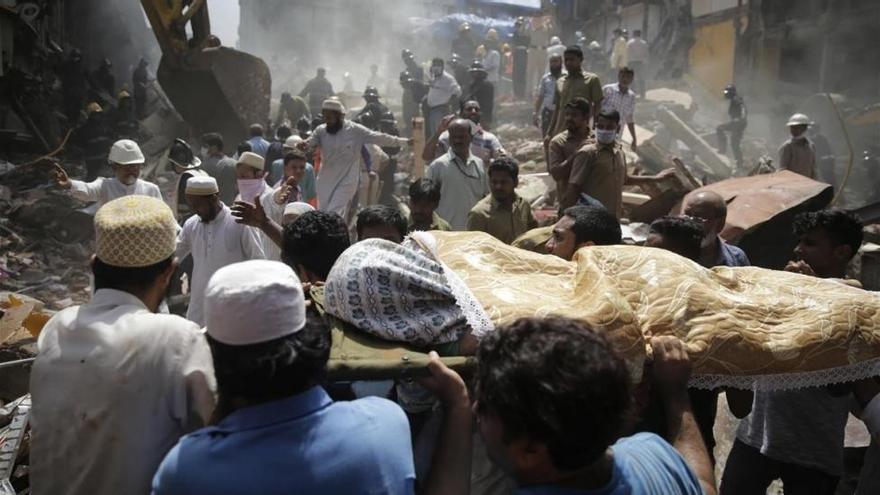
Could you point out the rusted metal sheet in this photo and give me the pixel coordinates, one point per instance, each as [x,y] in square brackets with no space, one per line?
[760,210]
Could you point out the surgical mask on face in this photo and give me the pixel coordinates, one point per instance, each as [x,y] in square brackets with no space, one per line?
[605,136]
[250,188]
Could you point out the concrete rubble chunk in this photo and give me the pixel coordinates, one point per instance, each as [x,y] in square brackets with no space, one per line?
[718,166]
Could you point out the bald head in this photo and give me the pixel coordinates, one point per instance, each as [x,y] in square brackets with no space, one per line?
[460,137]
[705,205]
[709,207]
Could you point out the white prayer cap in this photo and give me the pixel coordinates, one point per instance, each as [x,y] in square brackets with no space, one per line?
[334,104]
[134,231]
[254,301]
[200,185]
[293,211]
[252,159]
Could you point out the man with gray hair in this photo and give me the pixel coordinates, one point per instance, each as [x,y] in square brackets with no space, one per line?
[340,141]
[461,176]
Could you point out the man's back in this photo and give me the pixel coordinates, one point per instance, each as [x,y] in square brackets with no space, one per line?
[113,388]
[644,464]
[304,444]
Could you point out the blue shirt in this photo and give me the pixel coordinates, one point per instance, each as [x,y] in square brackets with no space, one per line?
[305,444]
[259,145]
[306,187]
[730,255]
[644,464]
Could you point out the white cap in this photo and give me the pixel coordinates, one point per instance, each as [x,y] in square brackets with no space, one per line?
[252,160]
[555,40]
[799,119]
[292,141]
[126,152]
[254,301]
[294,210]
[334,104]
[201,185]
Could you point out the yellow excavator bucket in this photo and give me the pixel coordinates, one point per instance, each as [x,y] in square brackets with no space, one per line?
[214,88]
[219,90]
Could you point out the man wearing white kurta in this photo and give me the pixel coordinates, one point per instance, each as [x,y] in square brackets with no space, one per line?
[115,384]
[251,175]
[214,239]
[126,160]
[340,141]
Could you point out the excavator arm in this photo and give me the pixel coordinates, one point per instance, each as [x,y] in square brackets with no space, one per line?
[214,88]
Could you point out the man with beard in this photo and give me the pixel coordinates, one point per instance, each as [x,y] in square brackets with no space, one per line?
[564,145]
[546,102]
[126,161]
[484,145]
[340,141]
[318,90]
[213,238]
[574,84]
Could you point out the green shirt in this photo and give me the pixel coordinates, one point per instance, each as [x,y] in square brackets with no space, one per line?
[503,223]
[570,86]
[437,223]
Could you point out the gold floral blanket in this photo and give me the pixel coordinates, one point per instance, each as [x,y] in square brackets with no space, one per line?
[743,327]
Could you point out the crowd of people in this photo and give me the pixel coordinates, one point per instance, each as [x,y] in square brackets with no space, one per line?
[128,398]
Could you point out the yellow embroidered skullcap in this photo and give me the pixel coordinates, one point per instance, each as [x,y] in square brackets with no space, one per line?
[135,231]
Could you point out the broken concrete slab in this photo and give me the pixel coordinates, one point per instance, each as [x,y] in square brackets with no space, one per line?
[718,166]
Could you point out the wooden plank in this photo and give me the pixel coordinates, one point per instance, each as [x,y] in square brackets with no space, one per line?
[418,135]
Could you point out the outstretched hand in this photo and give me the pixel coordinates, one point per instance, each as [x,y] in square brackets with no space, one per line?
[59,175]
[248,214]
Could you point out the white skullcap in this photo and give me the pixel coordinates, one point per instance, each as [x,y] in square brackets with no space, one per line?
[252,159]
[200,185]
[134,231]
[254,301]
[334,104]
[293,211]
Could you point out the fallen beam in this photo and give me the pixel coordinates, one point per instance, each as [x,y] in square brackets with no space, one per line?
[719,166]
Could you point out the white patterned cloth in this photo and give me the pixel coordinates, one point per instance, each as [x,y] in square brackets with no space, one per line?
[624,103]
[394,292]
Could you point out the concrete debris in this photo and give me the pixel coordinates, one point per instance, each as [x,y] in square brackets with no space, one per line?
[717,166]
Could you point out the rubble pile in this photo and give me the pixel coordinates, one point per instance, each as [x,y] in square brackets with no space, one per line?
[45,243]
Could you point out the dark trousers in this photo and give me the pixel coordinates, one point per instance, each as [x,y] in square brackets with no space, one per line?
[749,472]
[736,130]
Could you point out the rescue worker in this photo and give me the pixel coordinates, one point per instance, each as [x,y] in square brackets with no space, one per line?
[93,138]
[373,106]
[482,91]
[521,42]
[140,82]
[185,165]
[124,124]
[317,89]
[293,108]
[798,154]
[412,81]
[126,160]
[736,126]
[74,86]
[464,44]
[103,79]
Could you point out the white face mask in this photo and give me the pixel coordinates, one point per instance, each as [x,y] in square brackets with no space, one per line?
[605,136]
[250,188]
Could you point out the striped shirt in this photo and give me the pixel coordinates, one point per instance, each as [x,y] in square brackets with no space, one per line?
[624,103]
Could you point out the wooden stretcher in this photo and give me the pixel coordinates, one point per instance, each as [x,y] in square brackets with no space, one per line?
[355,355]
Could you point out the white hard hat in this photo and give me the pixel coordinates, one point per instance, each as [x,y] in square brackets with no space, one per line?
[799,119]
[125,152]
[555,40]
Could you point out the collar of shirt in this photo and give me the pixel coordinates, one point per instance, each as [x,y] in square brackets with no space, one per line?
[113,297]
[495,205]
[453,158]
[277,411]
